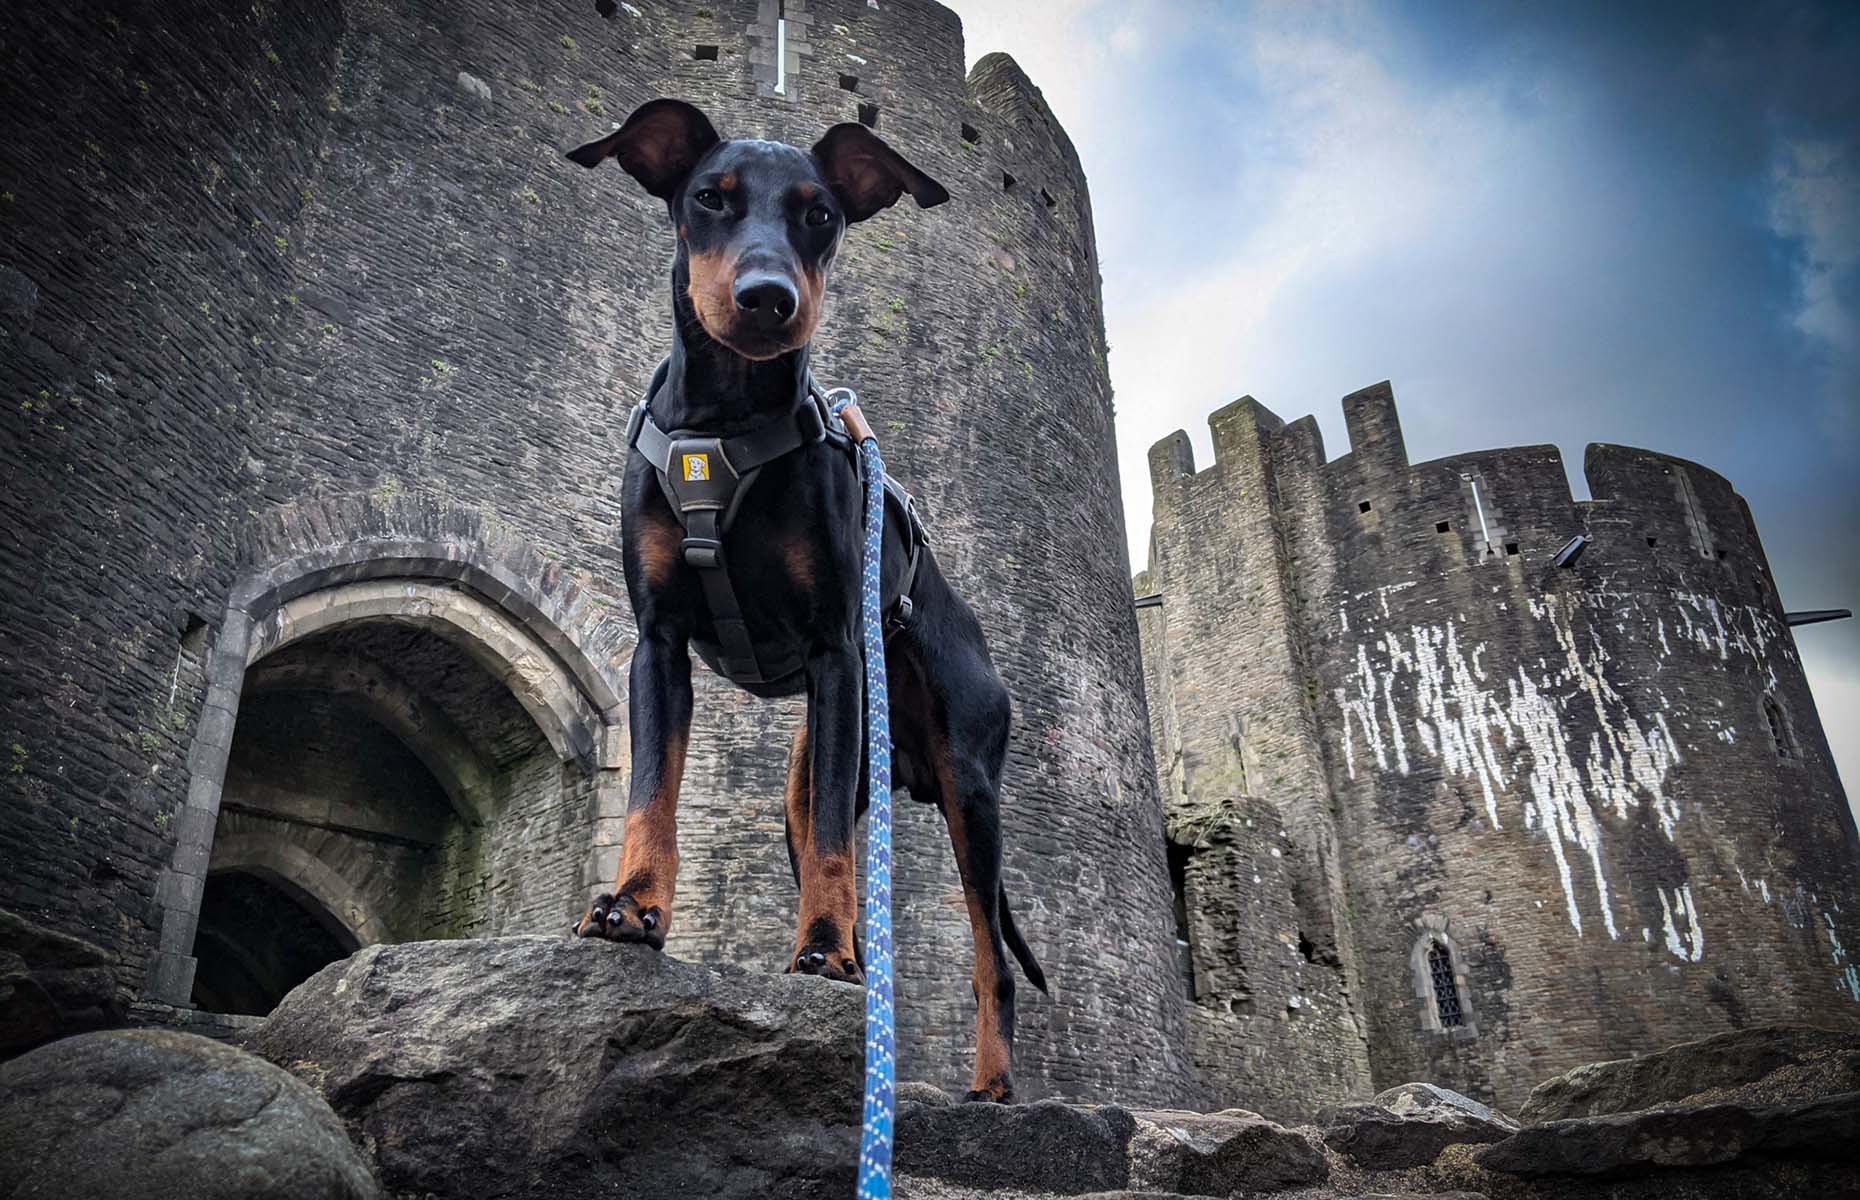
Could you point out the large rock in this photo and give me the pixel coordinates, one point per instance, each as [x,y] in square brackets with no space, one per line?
[1409,1126]
[577,1067]
[1046,1146]
[1051,1148]
[51,985]
[1766,1066]
[136,1114]
[1634,1143]
[1426,1097]
[1218,1154]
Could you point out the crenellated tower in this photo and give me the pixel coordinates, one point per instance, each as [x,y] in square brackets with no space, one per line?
[1565,812]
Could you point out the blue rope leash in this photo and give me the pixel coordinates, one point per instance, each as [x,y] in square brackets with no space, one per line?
[881,1054]
[880,1029]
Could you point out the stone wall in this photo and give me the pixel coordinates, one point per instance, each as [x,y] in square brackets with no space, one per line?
[1564,776]
[299,297]
[1276,1027]
[154,161]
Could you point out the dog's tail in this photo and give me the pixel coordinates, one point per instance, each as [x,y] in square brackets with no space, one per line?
[1018,945]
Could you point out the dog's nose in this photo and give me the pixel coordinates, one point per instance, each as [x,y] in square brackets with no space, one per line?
[768,300]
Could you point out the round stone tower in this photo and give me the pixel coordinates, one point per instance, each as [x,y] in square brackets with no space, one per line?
[322,356]
[1499,782]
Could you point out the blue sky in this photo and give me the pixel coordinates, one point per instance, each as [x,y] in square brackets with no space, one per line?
[1555,223]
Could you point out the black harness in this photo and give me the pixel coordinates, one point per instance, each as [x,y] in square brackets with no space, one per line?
[705,477]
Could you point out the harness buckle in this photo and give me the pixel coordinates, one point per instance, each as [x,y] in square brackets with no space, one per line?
[706,554]
[901,615]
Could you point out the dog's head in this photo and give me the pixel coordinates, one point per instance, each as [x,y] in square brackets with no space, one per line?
[758,222]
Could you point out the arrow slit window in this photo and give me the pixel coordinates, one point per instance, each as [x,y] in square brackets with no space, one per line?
[1446,992]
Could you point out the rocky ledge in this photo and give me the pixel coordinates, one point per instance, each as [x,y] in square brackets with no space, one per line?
[51,985]
[539,1066]
[543,1066]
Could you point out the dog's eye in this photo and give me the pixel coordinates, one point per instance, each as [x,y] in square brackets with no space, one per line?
[709,198]
[820,214]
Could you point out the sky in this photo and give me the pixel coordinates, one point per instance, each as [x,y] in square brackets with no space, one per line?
[1562,223]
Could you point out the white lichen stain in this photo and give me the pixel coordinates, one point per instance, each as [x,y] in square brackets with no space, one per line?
[1478,731]
[1846,978]
[1685,938]
[1501,736]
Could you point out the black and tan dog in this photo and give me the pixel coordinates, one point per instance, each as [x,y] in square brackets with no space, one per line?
[759,224]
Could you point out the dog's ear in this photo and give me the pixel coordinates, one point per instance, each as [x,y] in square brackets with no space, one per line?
[866,175]
[659,145]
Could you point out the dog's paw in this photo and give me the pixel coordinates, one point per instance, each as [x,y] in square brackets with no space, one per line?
[816,962]
[621,919]
[998,1092]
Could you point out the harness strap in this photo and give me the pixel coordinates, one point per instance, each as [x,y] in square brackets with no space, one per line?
[705,478]
[742,453]
[739,658]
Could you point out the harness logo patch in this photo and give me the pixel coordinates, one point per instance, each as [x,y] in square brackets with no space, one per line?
[697,468]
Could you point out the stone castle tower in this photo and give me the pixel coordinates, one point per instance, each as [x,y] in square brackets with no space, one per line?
[317,357]
[1440,808]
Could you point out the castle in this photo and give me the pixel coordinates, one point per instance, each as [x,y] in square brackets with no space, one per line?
[319,357]
[1453,795]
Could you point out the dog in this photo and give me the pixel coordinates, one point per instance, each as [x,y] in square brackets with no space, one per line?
[768,592]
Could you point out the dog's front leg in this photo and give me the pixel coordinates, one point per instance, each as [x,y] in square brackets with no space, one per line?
[823,787]
[640,906]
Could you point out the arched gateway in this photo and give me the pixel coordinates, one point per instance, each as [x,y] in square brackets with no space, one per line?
[401,742]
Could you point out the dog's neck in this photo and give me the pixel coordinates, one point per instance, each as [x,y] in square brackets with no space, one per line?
[711,387]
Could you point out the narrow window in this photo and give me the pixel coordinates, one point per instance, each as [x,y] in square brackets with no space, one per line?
[1362,506]
[781,47]
[1441,527]
[1653,541]
[1178,887]
[704,53]
[1046,198]
[1008,182]
[194,634]
[1511,549]
[868,115]
[970,133]
[1446,991]
[849,83]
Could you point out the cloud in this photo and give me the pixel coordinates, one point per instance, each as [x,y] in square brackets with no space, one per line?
[1815,198]
[1556,224]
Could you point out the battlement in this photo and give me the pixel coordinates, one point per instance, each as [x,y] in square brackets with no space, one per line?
[1238,429]
[1515,501]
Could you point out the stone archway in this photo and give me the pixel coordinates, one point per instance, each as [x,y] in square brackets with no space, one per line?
[308,880]
[496,642]
[257,939]
[356,655]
